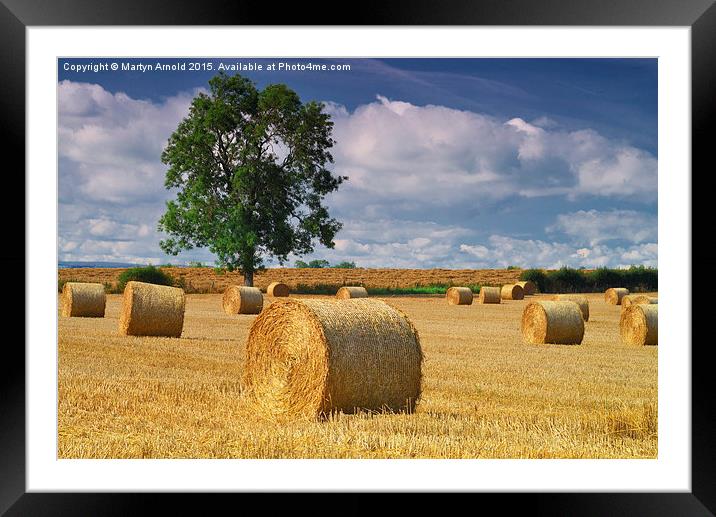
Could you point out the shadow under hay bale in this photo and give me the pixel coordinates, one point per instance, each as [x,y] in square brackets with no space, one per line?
[490,295]
[512,292]
[347,292]
[559,323]
[82,299]
[313,357]
[579,299]
[239,299]
[152,310]
[277,289]
[614,295]
[639,324]
[459,296]
[528,286]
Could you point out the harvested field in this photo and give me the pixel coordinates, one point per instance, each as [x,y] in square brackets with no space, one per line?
[206,280]
[485,394]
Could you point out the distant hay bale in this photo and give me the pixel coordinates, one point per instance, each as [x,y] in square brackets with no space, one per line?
[614,295]
[636,299]
[315,357]
[240,299]
[639,324]
[277,289]
[490,295]
[459,296]
[82,299]
[528,286]
[579,299]
[151,310]
[556,322]
[512,292]
[351,292]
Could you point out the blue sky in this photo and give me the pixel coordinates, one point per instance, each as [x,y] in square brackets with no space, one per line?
[452,162]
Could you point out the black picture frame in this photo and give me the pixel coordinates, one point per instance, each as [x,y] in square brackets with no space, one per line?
[17,15]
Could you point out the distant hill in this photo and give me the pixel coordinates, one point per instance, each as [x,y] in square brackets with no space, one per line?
[67,265]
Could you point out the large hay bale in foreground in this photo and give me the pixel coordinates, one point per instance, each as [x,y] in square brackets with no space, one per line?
[459,296]
[528,286]
[512,292]
[556,322]
[614,295]
[579,299]
[639,324]
[314,357]
[151,310]
[490,294]
[82,299]
[277,289]
[351,292]
[240,299]
[636,299]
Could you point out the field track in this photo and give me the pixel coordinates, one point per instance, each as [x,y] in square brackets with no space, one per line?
[485,393]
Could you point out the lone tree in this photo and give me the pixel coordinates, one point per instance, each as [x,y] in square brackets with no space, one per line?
[250,169]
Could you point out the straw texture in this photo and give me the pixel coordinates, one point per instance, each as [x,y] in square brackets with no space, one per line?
[277,289]
[552,322]
[614,295]
[576,298]
[528,286]
[636,299]
[82,299]
[239,299]
[639,324]
[351,292]
[512,292]
[151,310]
[459,296]
[313,357]
[490,294]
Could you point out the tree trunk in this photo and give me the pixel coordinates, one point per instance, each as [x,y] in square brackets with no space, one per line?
[249,278]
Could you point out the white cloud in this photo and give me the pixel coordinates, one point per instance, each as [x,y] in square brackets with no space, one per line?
[594,227]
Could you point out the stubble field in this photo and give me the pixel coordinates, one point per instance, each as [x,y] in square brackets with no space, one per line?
[486,394]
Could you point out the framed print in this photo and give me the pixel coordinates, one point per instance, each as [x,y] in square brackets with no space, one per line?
[414,252]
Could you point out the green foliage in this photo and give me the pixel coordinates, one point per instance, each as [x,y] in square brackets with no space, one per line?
[235,194]
[314,264]
[566,280]
[148,274]
[197,264]
[538,276]
[345,265]
[509,268]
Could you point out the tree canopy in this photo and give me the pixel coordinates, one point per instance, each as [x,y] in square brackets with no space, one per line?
[250,169]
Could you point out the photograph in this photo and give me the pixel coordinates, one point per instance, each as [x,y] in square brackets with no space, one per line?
[357,258]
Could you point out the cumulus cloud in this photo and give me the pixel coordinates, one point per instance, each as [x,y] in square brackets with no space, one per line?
[417,176]
[594,227]
[503,251]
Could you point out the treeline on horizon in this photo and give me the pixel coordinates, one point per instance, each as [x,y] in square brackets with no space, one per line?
[570,280]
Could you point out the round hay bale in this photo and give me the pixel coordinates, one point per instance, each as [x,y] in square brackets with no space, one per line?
[512,292]
[351,292]
[654,300]
[639,324]
[82,299]
[614,295]
[556,322]
[240,299]
[315,357]
[151,310]
[459,296]
[579,299]
[490,294]
[277,289]
[635,299]
[528,286]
